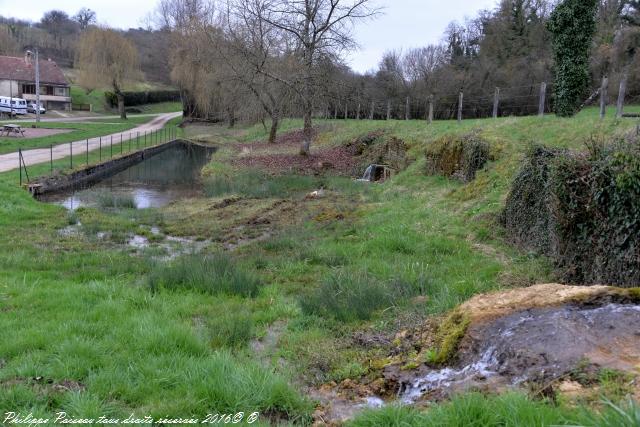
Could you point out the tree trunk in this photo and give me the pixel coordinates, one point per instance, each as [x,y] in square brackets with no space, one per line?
[307,133]
[232,118]
[121,109]
[275,124]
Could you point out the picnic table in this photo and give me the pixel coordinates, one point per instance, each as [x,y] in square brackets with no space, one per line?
[12,129]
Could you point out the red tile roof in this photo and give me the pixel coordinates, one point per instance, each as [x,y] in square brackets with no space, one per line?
[12,68]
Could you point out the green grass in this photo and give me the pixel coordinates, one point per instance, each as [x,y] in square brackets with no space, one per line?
[510,410]
[79,132]
[77,309]
[213,274]
[354,296]
[95,98]
[256,184]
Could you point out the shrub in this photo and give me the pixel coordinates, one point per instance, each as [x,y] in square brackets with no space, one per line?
[581,210]
[211,274]
[527,214]
[140,98]
[459,157]
[352,296]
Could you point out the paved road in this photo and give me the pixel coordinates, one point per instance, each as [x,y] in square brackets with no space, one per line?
[71,119]
[41,155]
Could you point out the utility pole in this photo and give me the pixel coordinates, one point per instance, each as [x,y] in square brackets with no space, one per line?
[37,88]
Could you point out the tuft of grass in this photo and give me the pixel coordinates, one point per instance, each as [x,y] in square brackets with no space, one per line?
[349,297]
[107,199]
[231,329]
[211,274]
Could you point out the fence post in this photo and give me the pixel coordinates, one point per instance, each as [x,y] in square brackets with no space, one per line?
[100,150]
[144,144]
[138,141]
[111,146]
[121,144]
[87,152]
[372,110]
[543,95]
[20,164]
[129,141]
[71,154]
[621,95]
[603,96]
[461,99]
[51,158]
[430,117]
[496,103]
[407,109]
[388,110]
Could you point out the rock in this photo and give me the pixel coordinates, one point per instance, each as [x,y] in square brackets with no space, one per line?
[570,388]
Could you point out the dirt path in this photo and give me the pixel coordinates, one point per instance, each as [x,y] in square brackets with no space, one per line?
[41,155]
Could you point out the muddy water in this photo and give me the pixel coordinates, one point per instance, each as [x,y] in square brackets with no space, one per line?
[535,345]
[155,182]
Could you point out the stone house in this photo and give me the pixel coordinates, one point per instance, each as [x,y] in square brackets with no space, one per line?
[17,79]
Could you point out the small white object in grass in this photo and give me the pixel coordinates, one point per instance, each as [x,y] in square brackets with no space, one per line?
[315,194]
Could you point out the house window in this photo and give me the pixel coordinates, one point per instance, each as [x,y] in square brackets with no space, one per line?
[29,89]
[60,91]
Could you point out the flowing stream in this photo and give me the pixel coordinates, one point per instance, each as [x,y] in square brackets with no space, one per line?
[536,345]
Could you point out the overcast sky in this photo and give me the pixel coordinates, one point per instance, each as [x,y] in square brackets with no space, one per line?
[404,24]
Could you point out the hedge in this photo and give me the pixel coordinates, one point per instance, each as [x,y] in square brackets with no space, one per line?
[142,98]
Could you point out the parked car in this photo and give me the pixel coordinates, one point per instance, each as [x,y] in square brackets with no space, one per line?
[31,108]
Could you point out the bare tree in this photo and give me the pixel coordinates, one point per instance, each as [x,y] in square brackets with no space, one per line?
[106,58]
[85,17]
[319,28]
[256,53]
[58,24]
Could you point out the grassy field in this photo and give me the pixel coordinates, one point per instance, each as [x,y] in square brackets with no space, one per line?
[92,326]
[79,131]
[97,99]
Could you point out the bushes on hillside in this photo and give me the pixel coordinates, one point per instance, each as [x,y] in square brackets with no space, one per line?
[458,157]
[142,98]
[582,210]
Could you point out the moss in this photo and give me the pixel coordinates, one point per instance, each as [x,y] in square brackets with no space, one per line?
[450,332]
[457,156]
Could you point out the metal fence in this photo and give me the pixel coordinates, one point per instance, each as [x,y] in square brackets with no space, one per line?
[82,154]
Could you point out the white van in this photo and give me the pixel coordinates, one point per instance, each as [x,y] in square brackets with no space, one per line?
[13,105]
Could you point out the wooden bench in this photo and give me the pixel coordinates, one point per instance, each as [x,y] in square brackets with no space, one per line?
[10,130]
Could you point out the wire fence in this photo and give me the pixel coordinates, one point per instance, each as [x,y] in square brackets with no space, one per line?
[528,100]
[511,101]
[93,151]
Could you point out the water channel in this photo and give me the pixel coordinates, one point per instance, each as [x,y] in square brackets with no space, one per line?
[156,181]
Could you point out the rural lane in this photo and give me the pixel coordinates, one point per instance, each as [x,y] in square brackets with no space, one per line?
[41,155]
